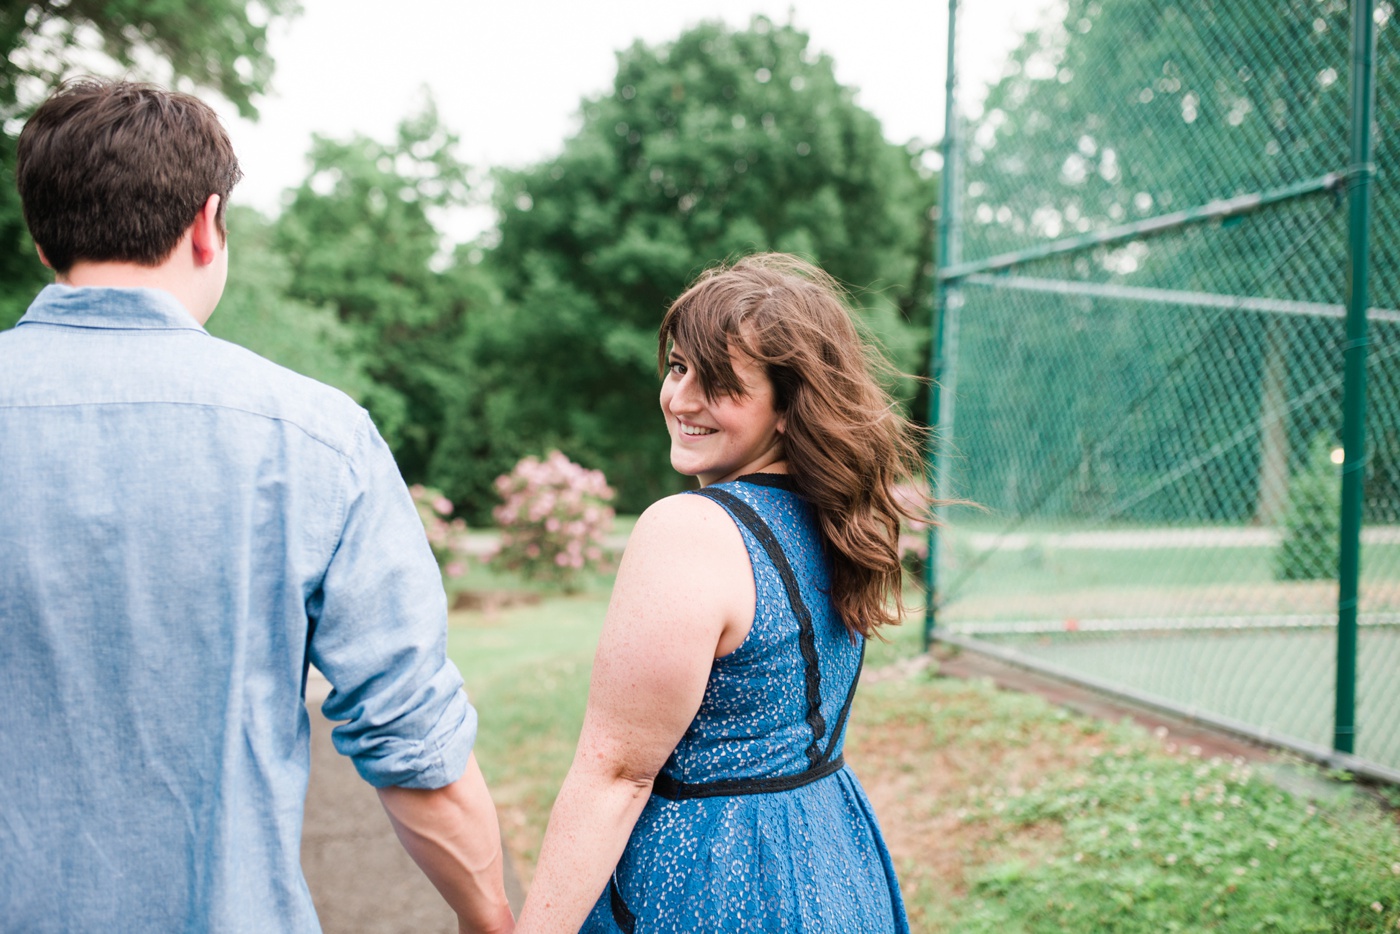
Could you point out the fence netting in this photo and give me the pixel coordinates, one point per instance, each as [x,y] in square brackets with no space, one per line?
[1145,371]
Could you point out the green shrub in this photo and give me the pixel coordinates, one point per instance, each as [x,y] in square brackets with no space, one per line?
[1312,520]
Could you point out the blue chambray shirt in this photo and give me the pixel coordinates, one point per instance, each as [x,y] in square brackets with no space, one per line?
[184,527]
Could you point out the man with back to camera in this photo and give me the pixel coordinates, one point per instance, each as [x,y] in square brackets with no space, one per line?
[184,527]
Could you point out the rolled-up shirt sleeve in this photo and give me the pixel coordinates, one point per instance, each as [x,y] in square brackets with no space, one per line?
[379,635]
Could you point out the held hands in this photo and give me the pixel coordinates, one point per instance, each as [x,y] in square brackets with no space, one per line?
[504,923]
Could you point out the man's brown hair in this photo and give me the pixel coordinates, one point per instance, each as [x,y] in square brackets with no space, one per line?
[115,171]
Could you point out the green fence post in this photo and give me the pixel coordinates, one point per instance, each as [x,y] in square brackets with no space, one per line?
[1363,45]
[943,343]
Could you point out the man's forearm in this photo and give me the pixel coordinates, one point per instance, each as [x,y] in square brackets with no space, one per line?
[452,835]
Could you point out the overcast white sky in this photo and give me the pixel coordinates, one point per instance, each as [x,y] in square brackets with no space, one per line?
[509,76]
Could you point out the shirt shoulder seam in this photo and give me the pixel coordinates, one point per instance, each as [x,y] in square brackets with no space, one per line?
[313,435]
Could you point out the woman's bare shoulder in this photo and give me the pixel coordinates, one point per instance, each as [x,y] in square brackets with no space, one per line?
[685,527]
[679,513]
[684,579]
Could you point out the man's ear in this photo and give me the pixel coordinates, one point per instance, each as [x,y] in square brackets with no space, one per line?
[42,258]
[206,238]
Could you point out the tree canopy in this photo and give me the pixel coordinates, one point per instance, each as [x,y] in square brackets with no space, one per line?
[359,236]
[216,44]
[258,312]
[717,144]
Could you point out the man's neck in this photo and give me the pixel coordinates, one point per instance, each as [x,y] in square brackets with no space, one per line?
[113,275]
[123,275]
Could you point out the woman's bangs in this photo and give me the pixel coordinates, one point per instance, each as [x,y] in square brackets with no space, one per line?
[705,332]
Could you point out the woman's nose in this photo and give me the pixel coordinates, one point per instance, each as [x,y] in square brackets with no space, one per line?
[687,395]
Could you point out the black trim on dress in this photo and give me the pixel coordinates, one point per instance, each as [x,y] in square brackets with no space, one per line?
[782,481]
[667,787]
[622,915]
[846,704]
[806,632]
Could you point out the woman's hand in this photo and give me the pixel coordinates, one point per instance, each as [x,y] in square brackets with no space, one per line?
[684,594]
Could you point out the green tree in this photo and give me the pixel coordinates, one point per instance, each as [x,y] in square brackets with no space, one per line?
[359,236]
[257,312]
[217,44]
[482,433]
[1088,130]
[717,144]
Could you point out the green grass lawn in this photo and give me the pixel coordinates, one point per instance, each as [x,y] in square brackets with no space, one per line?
[1003,813]
[1278,680]
[526,669]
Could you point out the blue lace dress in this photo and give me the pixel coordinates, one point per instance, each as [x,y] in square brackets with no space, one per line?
[755,823]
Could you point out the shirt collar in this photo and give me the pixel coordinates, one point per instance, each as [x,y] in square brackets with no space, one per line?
[109,309]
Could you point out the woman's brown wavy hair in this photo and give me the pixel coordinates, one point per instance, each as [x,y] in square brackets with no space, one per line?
[847,444]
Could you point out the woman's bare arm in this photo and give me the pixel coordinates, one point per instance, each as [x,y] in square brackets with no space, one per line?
[684,587]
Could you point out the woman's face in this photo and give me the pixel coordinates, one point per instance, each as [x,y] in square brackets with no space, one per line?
[721,439]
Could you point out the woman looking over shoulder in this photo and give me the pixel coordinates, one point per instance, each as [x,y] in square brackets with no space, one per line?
[709,792]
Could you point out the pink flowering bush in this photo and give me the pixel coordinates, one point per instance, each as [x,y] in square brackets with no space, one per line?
[553,517]
[447,536]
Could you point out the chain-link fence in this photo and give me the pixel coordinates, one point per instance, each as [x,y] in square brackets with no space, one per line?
[1143,317]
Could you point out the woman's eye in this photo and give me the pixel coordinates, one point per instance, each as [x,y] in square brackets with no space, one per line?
[677,369]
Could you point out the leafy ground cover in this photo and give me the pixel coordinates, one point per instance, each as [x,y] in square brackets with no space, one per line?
[1003,812]
[1006,814]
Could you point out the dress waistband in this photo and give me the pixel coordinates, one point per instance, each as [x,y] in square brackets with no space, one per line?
[669,788]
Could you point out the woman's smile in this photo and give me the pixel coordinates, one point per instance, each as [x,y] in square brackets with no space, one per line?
[694,431]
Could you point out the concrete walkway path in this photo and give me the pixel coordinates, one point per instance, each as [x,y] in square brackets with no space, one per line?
[361,879]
